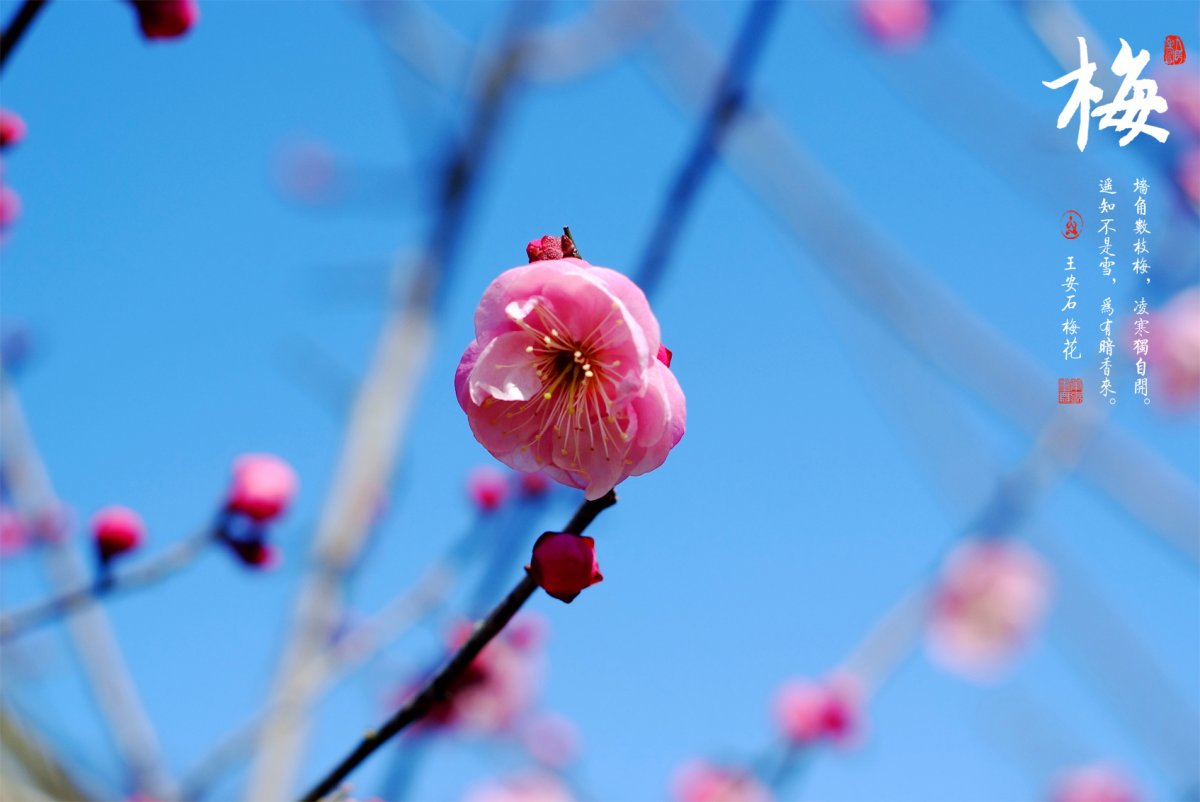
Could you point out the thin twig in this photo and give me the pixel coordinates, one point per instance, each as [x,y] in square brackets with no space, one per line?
[146,573]
[441,686]
[16,29]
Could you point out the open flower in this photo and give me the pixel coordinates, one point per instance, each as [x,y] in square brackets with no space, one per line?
[563,376]
[990,597]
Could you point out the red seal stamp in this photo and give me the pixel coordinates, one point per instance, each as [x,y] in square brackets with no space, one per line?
[1174,51]
[1070,391]
[1073,221]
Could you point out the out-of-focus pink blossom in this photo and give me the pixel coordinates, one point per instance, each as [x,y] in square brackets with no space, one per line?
[808,711]
[699,781]
[562,376]
[117,530]
[896,23]
[1187,173]
[532,786]
[308,172]
[263,486]
[495,690]
[10,207]
[1096,783]
[1181,88]
[990,596]
[1174,353]
[487,487]
[52,523]
[166,19]
[12,129]
[13,537]
[552,740]
[534,485]
[564,564]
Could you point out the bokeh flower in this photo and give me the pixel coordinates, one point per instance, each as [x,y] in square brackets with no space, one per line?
[487,488]
[700,781]
[12,129]
[1175,347]
[262,488]
[116,531]
[166,19]
[990,597]
[530,786]
[1094,783]
[562,376]
[497,688]
[10,207]
[808,711]
[13,536]
[896,23]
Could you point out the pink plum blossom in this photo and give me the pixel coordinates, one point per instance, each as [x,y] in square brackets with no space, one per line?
[487,487]
[262,488]
[562,376]
[12,129]
[1175,349]
[1095,783]
[700,781]
[166,19]
[116,530]
[896,23]
[531,786]
[989,598]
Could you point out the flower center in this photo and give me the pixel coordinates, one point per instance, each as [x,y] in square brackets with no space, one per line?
[575,399]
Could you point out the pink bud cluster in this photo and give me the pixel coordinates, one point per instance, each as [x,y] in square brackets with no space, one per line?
[260,492]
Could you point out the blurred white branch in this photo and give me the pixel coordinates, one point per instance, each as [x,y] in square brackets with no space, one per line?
[90,632]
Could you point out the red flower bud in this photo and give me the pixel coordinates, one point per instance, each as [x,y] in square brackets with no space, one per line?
[263,486]
[116,530]
[166,19]
[564,564]
[664,355]
[547,247]
[12,129]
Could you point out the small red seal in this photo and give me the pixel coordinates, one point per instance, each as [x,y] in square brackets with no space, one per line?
[1070,391]
[1174,51]
[1071,226]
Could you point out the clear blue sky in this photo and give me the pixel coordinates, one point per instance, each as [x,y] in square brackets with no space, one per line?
[169,286]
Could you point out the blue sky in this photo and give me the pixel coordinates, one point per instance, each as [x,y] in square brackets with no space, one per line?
[169,287]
